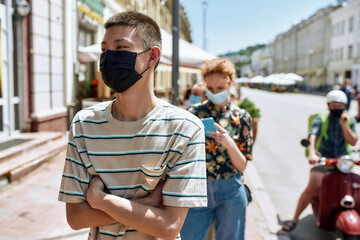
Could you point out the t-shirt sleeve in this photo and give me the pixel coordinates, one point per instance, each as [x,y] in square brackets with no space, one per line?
[185,183]
[75,178]
[315,126]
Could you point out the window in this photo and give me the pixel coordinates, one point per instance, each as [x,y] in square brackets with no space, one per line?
[341,54]
[342,27]
[351,23]
[350,49]
[358,50]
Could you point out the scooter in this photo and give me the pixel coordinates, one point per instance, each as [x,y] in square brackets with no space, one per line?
[337,208]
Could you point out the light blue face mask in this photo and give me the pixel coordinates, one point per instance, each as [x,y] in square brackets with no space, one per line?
[217,98]
[194,99]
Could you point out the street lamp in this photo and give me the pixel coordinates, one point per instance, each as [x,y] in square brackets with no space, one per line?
[204,5]
[175,53]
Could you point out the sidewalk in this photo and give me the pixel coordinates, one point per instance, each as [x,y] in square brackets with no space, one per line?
[29,208]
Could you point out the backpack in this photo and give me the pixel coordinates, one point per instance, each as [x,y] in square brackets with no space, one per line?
[323,131]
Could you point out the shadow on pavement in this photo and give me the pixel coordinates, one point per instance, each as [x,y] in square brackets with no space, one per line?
[306,229]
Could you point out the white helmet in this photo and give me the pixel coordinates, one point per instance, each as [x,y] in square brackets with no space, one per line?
[336,96]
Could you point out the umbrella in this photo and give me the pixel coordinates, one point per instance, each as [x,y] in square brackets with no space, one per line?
[242,80]
[294,76]
[257,79]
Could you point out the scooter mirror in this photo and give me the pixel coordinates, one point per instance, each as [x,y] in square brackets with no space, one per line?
[305,142]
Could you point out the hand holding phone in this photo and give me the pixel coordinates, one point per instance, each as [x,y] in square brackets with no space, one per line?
[209,124]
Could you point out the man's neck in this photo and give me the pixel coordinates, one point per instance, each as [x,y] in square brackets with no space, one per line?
[130,106]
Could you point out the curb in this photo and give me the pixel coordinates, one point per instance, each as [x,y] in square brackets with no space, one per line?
[268,221]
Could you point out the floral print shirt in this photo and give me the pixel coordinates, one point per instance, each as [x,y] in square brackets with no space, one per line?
[238,123]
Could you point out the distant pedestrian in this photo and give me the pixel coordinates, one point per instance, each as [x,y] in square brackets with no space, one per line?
[199,90]
[349,91]
[186,98]
[227,153]
[134,165]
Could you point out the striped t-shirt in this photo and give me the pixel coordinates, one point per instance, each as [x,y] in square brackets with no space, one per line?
[131,158]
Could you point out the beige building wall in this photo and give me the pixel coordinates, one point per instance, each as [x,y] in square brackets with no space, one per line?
[304,49]
[345,43]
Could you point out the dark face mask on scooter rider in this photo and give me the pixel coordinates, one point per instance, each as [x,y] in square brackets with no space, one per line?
[118,69]
[336,113]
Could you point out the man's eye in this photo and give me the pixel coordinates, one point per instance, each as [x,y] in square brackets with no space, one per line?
[119,47]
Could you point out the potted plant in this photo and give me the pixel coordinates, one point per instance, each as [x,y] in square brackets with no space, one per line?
[249,106]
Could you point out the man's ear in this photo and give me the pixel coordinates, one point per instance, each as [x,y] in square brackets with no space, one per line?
[154,56]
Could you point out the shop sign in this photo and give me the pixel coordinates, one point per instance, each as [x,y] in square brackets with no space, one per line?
[93,9]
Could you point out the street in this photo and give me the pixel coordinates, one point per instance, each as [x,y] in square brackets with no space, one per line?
[279,157]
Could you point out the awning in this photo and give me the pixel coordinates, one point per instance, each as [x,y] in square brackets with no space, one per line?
[189,55]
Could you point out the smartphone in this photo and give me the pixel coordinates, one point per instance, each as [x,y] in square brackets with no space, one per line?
[194,99]
[209,125]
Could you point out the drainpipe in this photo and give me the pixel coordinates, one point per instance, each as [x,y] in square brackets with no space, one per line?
[28,70]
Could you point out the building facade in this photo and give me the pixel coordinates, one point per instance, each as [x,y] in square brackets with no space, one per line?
[345,44]
[42,80]
[304,49]
[262,62]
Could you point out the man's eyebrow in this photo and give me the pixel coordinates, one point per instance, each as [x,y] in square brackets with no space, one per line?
[116,40]
[121,39]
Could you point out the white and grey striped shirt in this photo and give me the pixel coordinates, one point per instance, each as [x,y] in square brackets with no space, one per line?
[132,157]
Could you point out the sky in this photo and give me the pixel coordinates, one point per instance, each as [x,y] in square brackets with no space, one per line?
[232,25]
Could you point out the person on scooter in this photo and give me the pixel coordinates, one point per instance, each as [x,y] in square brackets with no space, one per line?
[340,134]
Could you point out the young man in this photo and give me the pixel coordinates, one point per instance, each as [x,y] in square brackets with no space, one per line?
[227,153]
[136,164]
[340,134]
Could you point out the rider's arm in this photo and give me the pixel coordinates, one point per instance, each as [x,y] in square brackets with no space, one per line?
[349,135]
[312,157]
[311,147]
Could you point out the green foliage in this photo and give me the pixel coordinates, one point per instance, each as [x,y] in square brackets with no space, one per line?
[250,107]
[244,52]
[243,56]
[249,50]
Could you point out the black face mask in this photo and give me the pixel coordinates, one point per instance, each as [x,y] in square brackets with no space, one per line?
[118,69]
[336,113]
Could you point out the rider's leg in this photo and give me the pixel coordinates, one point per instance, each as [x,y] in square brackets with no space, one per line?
[311,191]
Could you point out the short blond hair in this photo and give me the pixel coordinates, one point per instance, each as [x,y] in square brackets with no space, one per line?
[222,66]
